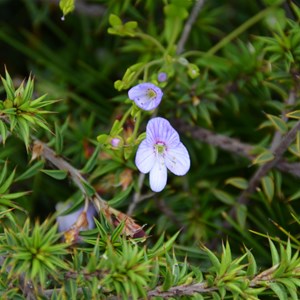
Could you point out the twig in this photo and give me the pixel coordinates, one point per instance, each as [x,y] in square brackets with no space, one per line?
[137,195]
[278,135]
[114,216]
[182,290]
[263,170]
[188,25]
[231,145]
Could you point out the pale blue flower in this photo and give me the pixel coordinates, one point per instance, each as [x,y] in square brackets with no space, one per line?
[162,77]
[146,96]
[161,150]
[67,221]
[115,142]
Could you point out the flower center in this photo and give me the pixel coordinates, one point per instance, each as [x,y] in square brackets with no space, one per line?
[160,147]
[151,93]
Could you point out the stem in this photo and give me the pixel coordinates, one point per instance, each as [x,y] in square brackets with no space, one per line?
[136,125]
[188,25]
[228,38]
[174,36]
[231,145]
[148,65]
[193,53]
[263,170]
[40,149]
[151,39]
[125,116]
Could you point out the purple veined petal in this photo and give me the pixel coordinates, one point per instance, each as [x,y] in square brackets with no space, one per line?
[158,176]
[178,160]
[159,129]
[145,157]
[146,96]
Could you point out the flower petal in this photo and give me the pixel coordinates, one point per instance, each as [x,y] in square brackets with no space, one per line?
[158,176]
[178,160]
[159,129]
[145,157]
[146,96]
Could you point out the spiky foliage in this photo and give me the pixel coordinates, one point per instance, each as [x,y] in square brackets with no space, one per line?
[229,229]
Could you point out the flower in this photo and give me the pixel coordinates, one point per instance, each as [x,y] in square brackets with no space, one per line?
[65,222]
[146,96]
[162,76]
[115,142]
[161,150]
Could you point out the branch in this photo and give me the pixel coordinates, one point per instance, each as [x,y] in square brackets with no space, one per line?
[231,145]
[114,216]
[188,25]
[263,170]
[182,290]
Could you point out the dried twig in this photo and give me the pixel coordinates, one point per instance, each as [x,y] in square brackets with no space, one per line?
[41,149]
[231,145]
[182,290]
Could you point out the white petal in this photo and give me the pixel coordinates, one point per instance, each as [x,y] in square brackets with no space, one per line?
[145,157]
[178,160]
[158,176]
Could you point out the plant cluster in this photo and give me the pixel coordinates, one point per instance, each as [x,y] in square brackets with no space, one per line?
[206,91]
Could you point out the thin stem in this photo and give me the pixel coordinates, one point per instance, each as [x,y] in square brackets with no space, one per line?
[188,25]
[125,116]
[136,125]
[151,39]
[235,33]
[193,53]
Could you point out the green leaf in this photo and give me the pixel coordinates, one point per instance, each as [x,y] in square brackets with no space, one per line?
[67,6]
[7,183]
[224,197]
[298,141]
[88,188]
[268,187]
[58,139]
[279,290]
[241,214]
[294,114]
[213,259]
[278,123]
[90,164]
[15,195]
[263,157]
[24,131]
[118,199]
[238,182]
[8,86]
[56,174]
[3,131]
[33,170]
[274,253]
[252,266]
[114,20]
[28,91]
[102,138]
[3,173]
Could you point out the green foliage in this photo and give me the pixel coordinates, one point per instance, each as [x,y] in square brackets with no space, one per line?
[33,252]
[229,229]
